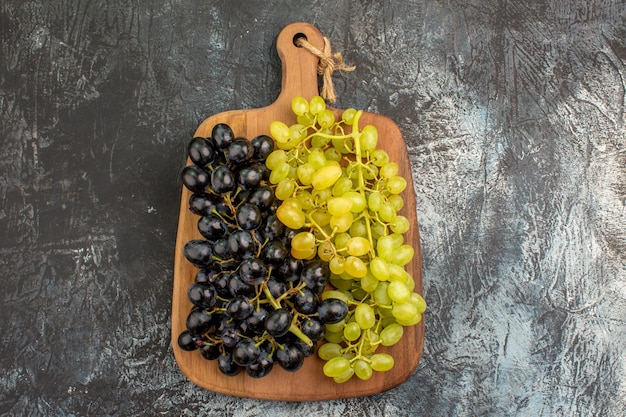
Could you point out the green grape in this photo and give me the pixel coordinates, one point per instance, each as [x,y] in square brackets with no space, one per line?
[400,225]
[379,269]
[337,265]
[410,282]
[341,239]
[284,188]
[370,173]
[396,184]
[326,251]
[358,292]
[374,337]
[326,118]
[299,105]
[292,203]
[319,141]
[397,273]
[380,294]
[358,246]
[387,212]
[378,230]
[342,186]
[333,163]
[305,173]
[348,115]
[316,158]
[279,131]
[389,170]
[362,369]
[341,223]
[335,327]
[341,145]
[339,206]
[325,177]
[293,172]
[276,157]
[385,247]
[382,362]
[303,241]
[403,255]
[386,316]
[344,276]
[341,295]
[332,154]
[320,217]
[304,253]
[391,334]
[358,228]
[304,120]
[297,133]
[368,138]
[305,199]
[290,215]
[396,240]
[340,283]
[355,267]
[368,349]
[352,331]
[379,157]
[396,201]
[352,173]
[290,143]
[328,351]
[333,337]
[317,105]
[418,301]
[321,196]
[414,320]
[327,229]
[345,377]
[398,292]
[404,311]
[369,282]
[280,172]
[375,201]
[364,316]
[358,201]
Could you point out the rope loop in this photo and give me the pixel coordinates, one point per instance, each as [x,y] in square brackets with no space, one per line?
[328,63]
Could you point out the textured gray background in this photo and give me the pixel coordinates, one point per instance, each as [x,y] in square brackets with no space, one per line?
[514,117]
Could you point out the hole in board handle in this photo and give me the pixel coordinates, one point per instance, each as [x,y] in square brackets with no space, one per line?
[297,36]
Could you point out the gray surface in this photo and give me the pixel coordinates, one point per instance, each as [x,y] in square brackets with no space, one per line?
[514,118]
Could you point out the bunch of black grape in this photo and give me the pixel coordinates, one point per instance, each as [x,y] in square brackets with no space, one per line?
[254,304]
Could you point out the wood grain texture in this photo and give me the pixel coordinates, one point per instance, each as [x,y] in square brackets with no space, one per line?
[513,114]
[299,70]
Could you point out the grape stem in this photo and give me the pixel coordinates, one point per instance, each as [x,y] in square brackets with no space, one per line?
[359,165]
[271,298]
[293,328]
[317,226]
[327,136]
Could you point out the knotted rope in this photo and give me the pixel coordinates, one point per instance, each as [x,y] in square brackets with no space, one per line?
[328,64]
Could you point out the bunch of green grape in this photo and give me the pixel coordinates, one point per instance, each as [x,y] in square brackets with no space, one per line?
[346,194]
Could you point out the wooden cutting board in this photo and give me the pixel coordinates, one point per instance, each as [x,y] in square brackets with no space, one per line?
[307,384]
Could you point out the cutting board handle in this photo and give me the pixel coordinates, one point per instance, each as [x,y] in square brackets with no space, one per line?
[299,66]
